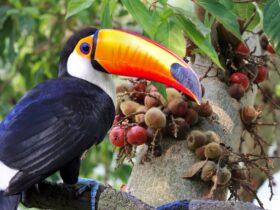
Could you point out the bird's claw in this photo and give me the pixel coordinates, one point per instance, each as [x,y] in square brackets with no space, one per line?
[81,189]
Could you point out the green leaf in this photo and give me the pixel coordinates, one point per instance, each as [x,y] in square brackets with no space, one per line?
[33,11]
[162,1]
[106,19]
[76,6]
[3,15]
[227,3]
[186,8]
[245,11]
[277,90]
[202,42]
[171,36]
[271,24]
[166,13]
[222,14]
[161,88]
[149,20]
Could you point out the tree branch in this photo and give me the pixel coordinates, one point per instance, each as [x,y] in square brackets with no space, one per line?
[59,196]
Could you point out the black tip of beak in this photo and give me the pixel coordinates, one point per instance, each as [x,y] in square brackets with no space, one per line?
[94,43]
[94,62]
[188,78]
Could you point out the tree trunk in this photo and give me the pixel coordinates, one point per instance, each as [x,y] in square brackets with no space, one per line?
[160,180]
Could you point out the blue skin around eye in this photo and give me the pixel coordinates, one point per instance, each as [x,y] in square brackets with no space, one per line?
[85,48]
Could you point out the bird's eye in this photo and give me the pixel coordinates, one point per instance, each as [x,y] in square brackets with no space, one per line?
[85,48]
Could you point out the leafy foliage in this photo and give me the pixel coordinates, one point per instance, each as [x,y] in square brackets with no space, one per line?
[223,15]
[149,20]
[271,23]
[198,39]
[76,6]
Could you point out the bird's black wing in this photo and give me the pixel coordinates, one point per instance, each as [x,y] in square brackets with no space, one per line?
[53,124]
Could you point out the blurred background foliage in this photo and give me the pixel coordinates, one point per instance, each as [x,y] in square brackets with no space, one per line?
[32,33]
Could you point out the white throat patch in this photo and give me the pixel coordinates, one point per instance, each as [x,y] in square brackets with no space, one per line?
[6,175]
[80,67]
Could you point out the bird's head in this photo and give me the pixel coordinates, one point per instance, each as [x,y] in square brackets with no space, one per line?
[93,54]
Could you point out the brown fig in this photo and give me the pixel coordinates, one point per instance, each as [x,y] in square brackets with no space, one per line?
[140,118]
[199,152]
[191,117]
[119,101]
[205,109]
[172,94]
[178,107]
[223,176]
[129,107]
[196,139]
[153,100]
[155,118]
[212,136]
[208,170]
[236,91]
[213,151]
[249,114]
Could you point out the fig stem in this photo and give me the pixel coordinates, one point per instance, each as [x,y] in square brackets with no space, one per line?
[206,73]
[265,124]
[140,92]
[248,21]
[129,116]
[271,100]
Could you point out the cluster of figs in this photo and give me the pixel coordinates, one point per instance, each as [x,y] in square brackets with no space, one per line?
[208,148]
[143,112]
[243,67]
[246,74]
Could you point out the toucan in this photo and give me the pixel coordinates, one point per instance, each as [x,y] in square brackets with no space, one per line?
[58,120]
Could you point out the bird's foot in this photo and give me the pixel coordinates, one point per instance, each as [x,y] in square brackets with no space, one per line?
[23,194]
[23,197]
[81,189]
[87,184]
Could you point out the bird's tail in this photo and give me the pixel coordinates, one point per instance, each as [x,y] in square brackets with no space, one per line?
[9,202]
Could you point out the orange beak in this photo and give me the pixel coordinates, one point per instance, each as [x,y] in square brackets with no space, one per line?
[127,54]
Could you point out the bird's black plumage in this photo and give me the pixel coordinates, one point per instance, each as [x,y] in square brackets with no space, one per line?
[51,126]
